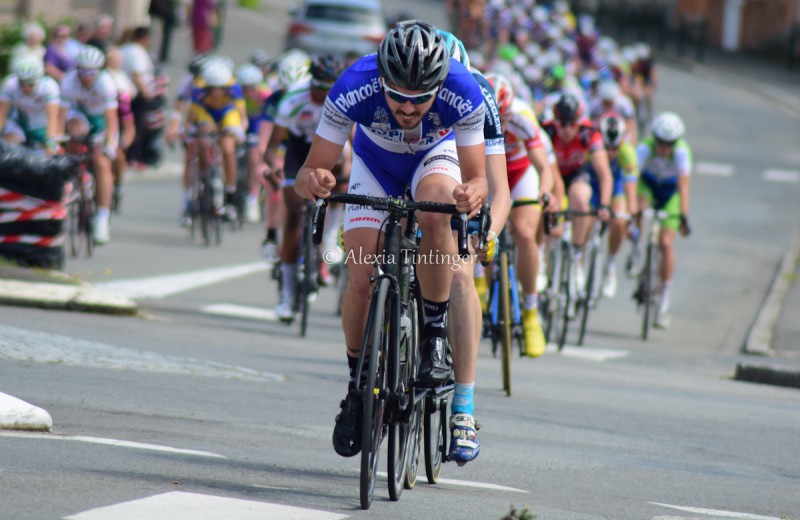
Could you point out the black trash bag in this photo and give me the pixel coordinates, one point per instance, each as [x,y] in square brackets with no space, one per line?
[31,173]
[29,255]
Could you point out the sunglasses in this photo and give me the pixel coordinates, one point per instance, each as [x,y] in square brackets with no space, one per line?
[565,126]
[414,99]
[29,83]
[87,73]
[665,144]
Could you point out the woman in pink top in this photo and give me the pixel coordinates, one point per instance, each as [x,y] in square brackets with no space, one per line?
[203,19]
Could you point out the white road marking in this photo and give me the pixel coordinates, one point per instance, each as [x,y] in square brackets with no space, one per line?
[113,442]
[592,354]
[714,169]
[44,347]
[787,176]
[717,512]
[16,414]
[240,311]
[194,506]
[166,285]
[466,483]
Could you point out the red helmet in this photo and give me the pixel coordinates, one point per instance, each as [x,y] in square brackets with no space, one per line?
[503,91]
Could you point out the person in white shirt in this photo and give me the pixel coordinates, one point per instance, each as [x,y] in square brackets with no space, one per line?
[33,35]
[138,65]
[89,108]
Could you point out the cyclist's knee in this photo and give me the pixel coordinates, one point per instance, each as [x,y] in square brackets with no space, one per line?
[435,226]
[463,284]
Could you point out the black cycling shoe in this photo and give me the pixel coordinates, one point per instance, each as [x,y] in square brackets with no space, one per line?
[347,432]
[436,366]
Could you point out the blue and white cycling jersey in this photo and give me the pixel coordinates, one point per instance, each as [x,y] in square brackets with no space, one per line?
[492,127]
[389,152]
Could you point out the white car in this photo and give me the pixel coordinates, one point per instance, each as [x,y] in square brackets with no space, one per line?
[337,27]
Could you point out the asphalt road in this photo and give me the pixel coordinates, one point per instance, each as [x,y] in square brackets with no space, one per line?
[242,409]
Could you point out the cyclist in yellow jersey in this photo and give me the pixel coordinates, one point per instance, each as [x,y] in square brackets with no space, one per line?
[218,106]
[622,158]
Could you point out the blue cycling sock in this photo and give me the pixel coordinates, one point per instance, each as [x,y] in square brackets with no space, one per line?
[462,399]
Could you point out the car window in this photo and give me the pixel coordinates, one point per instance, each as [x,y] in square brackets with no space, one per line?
[338,13]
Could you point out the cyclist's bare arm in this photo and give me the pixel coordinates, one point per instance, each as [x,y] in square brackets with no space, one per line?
[271,156]
[5,107]
[538,156]
[683,190]
[315,178]
[112,127]
[242,108]
[474,191]
[497,178]
[52,111]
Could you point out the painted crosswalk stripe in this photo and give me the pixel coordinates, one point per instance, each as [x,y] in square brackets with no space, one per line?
[788,176]
[169,284]
[714,169]
[113,442]
[588,353]
[717,512]
[240,311]
[194,506]
[467,483]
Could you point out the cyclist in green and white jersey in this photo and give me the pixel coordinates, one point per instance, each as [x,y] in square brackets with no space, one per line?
[89,107]
[29,106]
[665,161]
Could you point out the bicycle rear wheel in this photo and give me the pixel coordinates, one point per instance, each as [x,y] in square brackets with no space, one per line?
[73,225]
[647,289]
[505,320]
[87,225]
[373,397]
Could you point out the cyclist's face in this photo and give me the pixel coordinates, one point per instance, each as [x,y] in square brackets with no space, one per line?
[408,112]
[88,77]
[566,131]
[612,152]
[27,87]
[215,92]
[250,91]
[664,148]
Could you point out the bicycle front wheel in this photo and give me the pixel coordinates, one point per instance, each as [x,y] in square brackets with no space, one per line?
[309,272]
[505,320]
[586,302]
[647,289]
[433,431]
[564,292]
[373,397]
[415,422]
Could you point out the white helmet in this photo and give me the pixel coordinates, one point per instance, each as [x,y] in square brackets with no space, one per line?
[608,90]
[249,75]
[90,57]
[225,61]
[293,68]
[668,127]
[216,74]
[29,69]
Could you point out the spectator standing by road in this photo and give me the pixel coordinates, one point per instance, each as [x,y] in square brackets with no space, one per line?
[167,12]
[204,18]
[57,57]
[103,32]
[33,36]
[83,33]
[138,65]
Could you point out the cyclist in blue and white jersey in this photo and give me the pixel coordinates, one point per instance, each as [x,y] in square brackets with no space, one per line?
[29,103]
[420,116]
[89,107]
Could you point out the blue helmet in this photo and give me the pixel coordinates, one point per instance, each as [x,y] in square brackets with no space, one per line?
[455,47]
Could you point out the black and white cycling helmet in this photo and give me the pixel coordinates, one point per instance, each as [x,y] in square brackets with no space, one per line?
[668,127]
[414,56]
[326,69]
[261,58]
[612,128]
[197,63]
[217,74]
[29,69]
[249,75]
[90,57]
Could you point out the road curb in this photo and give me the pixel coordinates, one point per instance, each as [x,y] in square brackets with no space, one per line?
[16,414]
[66,297]
[759,339]
[766,375]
